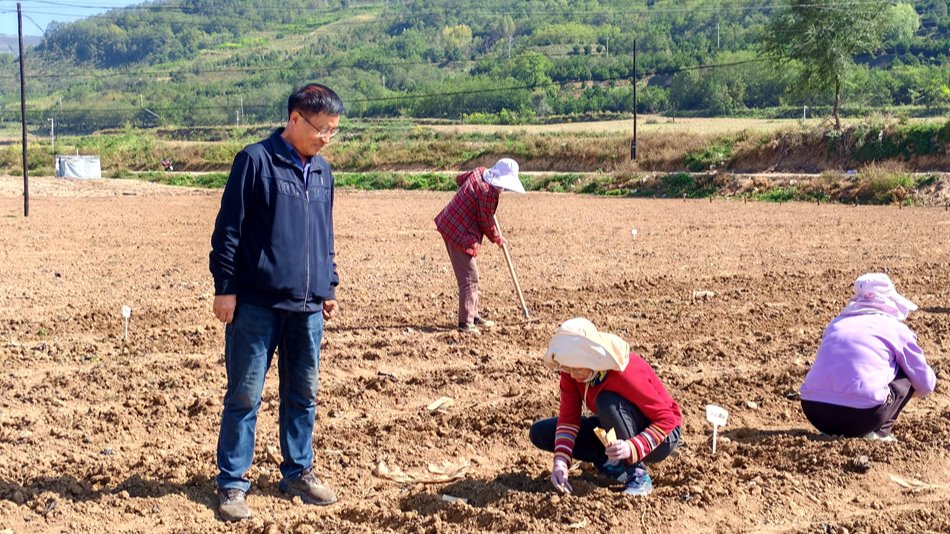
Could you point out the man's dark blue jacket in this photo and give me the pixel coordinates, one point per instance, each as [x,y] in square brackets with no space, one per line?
[272,244]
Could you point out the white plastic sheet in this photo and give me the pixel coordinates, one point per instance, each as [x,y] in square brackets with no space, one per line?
[78,167]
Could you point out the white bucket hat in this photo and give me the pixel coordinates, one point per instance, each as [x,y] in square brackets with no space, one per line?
[504,175]
[875,293]
[577,343]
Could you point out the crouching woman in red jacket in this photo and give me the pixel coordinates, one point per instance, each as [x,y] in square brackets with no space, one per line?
[622,392]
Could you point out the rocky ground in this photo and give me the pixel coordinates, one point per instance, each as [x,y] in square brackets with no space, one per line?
[726,299]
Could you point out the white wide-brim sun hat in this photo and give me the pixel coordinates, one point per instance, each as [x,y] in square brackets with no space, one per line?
[578,344]
[504,175]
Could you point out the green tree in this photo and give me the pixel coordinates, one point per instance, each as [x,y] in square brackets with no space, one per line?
[530,68]
[457,39]
[506,30]
[824,38]
[902,23]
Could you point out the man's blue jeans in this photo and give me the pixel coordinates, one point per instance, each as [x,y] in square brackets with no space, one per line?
[250,341]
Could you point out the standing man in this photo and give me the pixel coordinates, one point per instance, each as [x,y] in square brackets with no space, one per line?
[272,259]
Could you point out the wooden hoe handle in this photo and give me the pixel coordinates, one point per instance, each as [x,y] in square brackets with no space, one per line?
[511,269]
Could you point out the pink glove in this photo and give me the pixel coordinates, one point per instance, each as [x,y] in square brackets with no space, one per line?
[620,450]
[559,476]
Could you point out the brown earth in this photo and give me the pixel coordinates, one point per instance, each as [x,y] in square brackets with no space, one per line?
[98,434]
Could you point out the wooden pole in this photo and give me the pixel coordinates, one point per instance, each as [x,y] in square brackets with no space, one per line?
[26,180]
[633,142]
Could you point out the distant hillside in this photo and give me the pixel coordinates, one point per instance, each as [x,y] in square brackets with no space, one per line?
[10,44]
[216,62]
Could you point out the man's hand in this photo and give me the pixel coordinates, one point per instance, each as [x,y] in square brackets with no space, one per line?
[501,242]
[224,307]
[559,476]
[329,309]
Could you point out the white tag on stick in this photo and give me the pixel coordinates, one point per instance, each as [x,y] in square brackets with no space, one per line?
[718,416]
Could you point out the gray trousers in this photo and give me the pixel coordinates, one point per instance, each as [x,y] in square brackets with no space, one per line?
[466,274]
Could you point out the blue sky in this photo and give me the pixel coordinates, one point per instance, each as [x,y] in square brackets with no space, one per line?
[38,13]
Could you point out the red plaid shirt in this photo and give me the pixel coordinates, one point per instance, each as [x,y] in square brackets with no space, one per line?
[469,215]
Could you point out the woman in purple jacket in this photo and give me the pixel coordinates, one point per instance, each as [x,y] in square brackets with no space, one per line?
[868,365]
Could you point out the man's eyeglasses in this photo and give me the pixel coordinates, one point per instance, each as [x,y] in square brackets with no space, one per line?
[325,133]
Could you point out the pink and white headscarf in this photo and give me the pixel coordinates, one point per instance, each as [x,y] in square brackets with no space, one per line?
[875,293]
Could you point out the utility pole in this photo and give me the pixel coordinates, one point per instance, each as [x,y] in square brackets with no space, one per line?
[26,180]
[52,134]
[633,142]
[717,35]
[608,47]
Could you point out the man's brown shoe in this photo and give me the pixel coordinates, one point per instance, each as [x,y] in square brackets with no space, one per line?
[309,488]
[232,505]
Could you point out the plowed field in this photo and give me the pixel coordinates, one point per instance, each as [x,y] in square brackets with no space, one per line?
[727,300]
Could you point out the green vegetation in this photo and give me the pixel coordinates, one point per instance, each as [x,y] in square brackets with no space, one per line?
[714,155]
[210,180]
[779,194]
[217,62]
[677,184]
[824,39]
[431,181]
[875,143]
[555,183]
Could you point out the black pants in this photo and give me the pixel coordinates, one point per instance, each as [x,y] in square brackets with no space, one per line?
[614,412]
[849,422]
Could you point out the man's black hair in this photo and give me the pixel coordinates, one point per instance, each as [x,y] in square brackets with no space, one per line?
[313,99]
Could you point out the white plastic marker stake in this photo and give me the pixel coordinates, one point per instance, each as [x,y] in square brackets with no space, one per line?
[126,313]
[718,417]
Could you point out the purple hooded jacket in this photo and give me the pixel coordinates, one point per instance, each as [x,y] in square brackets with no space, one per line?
[859,356]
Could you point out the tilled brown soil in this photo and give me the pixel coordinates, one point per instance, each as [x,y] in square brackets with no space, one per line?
[98,434]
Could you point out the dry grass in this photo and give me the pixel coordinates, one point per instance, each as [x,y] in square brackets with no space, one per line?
[654,124]
[740,145]
[645,124]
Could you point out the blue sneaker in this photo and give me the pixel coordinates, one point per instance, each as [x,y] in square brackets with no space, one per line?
[638,481]
[614,471]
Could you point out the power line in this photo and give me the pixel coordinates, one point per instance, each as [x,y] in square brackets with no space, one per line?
[27,17]
[343,62]
[395,14]
[166,6]
[561,83]
[398,98]
[347,62]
